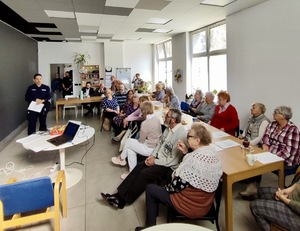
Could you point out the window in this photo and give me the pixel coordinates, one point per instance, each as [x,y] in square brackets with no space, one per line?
[209,60]
[164,56]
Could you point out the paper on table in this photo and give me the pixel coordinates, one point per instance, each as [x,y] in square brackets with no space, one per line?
[227,144]
[219,134]
[29,139]
[267,157]
[33,106]
[216,147]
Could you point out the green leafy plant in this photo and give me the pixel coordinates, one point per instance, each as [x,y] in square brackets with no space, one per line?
[80,59]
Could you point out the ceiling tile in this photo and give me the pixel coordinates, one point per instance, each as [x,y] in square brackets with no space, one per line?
[88,19]
[122,3]
[108,10]
[152,5]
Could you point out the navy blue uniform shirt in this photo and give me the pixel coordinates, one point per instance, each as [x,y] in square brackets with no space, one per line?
[34,92]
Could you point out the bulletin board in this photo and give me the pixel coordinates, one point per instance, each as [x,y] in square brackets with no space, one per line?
[124,74]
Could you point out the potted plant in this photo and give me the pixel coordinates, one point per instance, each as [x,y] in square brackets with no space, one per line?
[80,59]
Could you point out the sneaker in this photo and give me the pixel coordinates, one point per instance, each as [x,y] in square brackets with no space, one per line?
[116,139]
[250,193]
[118,161]
[124,175]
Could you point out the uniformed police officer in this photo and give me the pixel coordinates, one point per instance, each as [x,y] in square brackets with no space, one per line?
[39,93]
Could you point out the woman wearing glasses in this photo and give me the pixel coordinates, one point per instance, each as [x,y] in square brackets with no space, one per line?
[191,191]
[282,139]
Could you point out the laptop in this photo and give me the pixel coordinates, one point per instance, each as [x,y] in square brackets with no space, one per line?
[68,135]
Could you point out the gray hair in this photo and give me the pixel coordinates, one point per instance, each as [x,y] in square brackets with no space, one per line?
[199,92]
[176,114]
[285,111]
[170,90]
[210,94]
[261,106]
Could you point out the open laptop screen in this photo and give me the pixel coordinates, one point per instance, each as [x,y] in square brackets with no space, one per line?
[71,129]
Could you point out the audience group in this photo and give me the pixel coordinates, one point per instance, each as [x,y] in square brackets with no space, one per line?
[184,161]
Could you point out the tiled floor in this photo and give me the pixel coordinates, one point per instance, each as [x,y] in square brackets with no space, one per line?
[86,210]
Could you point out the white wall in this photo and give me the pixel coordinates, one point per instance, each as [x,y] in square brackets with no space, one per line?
[139,58]
[180,60]
[136,56]
[263,57]
[63,53]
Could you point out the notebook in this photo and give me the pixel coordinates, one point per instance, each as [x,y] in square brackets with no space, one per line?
[68,135]
[185,106]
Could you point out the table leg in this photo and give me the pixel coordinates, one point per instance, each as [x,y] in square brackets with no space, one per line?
[56,114]
[73,175]
[228,204]
[281,176]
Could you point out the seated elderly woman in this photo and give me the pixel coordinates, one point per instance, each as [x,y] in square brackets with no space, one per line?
[282,139]
[253,133]
[277,206]
[225,116]
[171,100]
[206,110]
[150,133]
[132,104]
[198,99]
[159,94]
[191,191]
[110,107]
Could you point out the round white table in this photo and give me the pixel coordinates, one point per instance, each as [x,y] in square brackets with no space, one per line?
[38,143]
[176,227]
[73,175]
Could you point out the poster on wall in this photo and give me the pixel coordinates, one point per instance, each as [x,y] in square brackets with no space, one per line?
[124,74]
[108,74]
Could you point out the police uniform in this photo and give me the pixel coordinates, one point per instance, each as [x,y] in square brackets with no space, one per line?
[34,92]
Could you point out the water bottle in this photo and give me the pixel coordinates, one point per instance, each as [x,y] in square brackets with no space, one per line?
[81,94]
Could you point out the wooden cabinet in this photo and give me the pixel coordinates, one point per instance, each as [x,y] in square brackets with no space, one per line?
[90,73]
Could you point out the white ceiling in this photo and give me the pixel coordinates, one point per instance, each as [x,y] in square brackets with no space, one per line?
[121,20]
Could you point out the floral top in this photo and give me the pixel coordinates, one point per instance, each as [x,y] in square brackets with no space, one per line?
[112,104]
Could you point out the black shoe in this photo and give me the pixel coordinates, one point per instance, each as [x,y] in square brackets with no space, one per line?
[139,228]
[114,200]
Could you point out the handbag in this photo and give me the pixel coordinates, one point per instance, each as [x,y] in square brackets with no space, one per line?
[106,124]
[176,185]
[129,134]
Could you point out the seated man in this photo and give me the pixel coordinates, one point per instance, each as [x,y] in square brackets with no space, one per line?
[87,92]
[121,96]
[164,159]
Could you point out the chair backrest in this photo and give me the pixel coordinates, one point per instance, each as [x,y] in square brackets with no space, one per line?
[184,106]
[28,195]
[218,196]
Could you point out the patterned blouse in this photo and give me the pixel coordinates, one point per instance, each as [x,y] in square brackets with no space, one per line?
[283,143]
[111,104]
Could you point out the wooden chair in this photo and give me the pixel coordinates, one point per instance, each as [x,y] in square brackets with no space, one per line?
[34,195]
[212,215]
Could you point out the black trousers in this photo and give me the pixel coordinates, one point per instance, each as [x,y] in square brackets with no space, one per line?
[142,175]
[32,119]
[154,196]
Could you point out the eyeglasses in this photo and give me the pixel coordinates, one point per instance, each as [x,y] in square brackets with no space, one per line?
[276,112]
[189,136]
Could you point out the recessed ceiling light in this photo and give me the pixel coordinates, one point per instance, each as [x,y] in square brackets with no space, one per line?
[59,14]
[162,31]
[160,21]
[221,3]
[73,39]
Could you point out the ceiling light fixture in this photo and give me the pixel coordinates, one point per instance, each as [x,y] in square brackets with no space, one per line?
[59,14]
[160,21]
[220,3]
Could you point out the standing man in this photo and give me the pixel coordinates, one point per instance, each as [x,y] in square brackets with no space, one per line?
[56,87]
[39,93]
[138,83]
[88,91]
[67,84]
